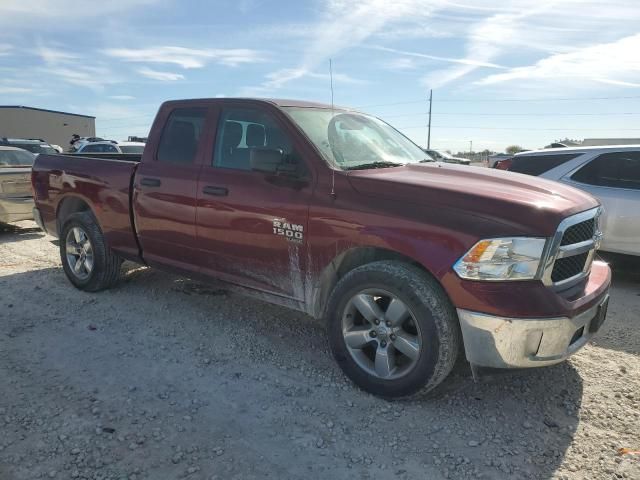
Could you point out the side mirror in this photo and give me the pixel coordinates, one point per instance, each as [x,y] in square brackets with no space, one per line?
[266,160]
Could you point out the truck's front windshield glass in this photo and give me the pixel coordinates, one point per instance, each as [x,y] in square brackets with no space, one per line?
[352,140]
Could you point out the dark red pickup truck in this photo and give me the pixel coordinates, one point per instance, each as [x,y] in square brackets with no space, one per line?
[335,213]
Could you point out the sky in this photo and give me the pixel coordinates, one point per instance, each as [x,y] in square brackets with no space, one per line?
[523,72]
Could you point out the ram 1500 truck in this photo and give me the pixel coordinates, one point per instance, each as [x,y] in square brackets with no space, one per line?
[335,213]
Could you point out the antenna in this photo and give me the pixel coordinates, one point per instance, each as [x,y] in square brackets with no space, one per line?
[333,170]
[331,80]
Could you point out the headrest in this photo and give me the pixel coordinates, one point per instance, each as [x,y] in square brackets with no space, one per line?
[232,134]
[255,135]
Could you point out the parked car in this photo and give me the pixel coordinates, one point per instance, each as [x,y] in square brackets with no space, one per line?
[335,213]
[447,157]
[16,200]
[493,160]
[77,141]
[110,146]
[611,173]
[131,147]
[33,145]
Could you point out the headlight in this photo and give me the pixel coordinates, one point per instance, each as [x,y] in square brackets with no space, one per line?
[516,258]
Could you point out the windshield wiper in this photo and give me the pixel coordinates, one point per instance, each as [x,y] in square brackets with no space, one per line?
[366,166]
[427,160]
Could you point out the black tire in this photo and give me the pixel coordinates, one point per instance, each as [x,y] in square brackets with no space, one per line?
[438,326]
[106,265]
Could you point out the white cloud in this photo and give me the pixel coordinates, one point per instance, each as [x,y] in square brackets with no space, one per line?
[53,55]
[401,64]
[345,24]
[529,27]
[619,83]
[5,90]
[93,77]
[186,57]
[614,63]
[121,97]
[5,49]
[462,61]
[161,76]
[74,69]
[18,12]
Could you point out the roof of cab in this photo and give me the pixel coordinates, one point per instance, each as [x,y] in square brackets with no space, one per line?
[279,102]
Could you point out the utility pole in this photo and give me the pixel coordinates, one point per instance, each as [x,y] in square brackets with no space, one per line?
[429,129]
[470,149]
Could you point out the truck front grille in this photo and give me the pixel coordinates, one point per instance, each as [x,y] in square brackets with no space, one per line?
[568,267]
[580,232]
[571,250]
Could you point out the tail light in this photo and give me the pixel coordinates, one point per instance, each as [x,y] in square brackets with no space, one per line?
[504,164]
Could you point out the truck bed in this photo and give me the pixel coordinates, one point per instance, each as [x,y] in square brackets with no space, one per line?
[103,183]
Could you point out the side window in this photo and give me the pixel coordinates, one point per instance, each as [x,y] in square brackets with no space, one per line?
[538,164]
[110,149]
[240,130]
[617,170]
[179,140]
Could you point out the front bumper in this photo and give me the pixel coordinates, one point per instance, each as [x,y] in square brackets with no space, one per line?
[497,342]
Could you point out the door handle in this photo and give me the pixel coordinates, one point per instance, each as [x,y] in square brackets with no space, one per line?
[150,182]
[217,191]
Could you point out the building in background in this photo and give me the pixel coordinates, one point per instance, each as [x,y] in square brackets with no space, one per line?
[49,125]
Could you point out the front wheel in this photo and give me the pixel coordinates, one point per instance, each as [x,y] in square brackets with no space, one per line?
[88,263]
[392,329]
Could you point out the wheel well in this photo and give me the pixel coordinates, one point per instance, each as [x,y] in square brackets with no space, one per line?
[69,206]
[347,261]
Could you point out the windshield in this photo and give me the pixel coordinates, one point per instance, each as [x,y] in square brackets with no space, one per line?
[131,148]
[16,158]
[355,140]
[36,147]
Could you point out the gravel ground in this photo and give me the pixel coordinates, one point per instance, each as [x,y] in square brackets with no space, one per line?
[166,378]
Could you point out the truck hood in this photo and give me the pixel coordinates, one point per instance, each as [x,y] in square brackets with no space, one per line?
[529,205]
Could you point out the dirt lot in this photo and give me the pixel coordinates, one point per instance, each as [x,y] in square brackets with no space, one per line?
[164,378]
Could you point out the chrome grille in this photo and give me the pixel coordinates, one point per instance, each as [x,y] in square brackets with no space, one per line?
[571,250]
[568,267]
[580,232]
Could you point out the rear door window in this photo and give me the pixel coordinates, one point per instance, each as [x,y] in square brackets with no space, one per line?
[539,164]
[181,134]
[616,170]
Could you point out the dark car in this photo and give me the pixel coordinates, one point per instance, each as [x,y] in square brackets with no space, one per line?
[33,145]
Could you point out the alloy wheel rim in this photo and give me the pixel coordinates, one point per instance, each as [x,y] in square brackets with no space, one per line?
[381,334]
[79,252]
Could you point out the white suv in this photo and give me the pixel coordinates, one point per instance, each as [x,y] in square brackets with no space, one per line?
[611,173]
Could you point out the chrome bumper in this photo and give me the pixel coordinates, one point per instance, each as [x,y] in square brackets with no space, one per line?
[497,342]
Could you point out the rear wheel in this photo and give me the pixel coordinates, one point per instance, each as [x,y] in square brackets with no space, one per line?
[88,263]
[392,329]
